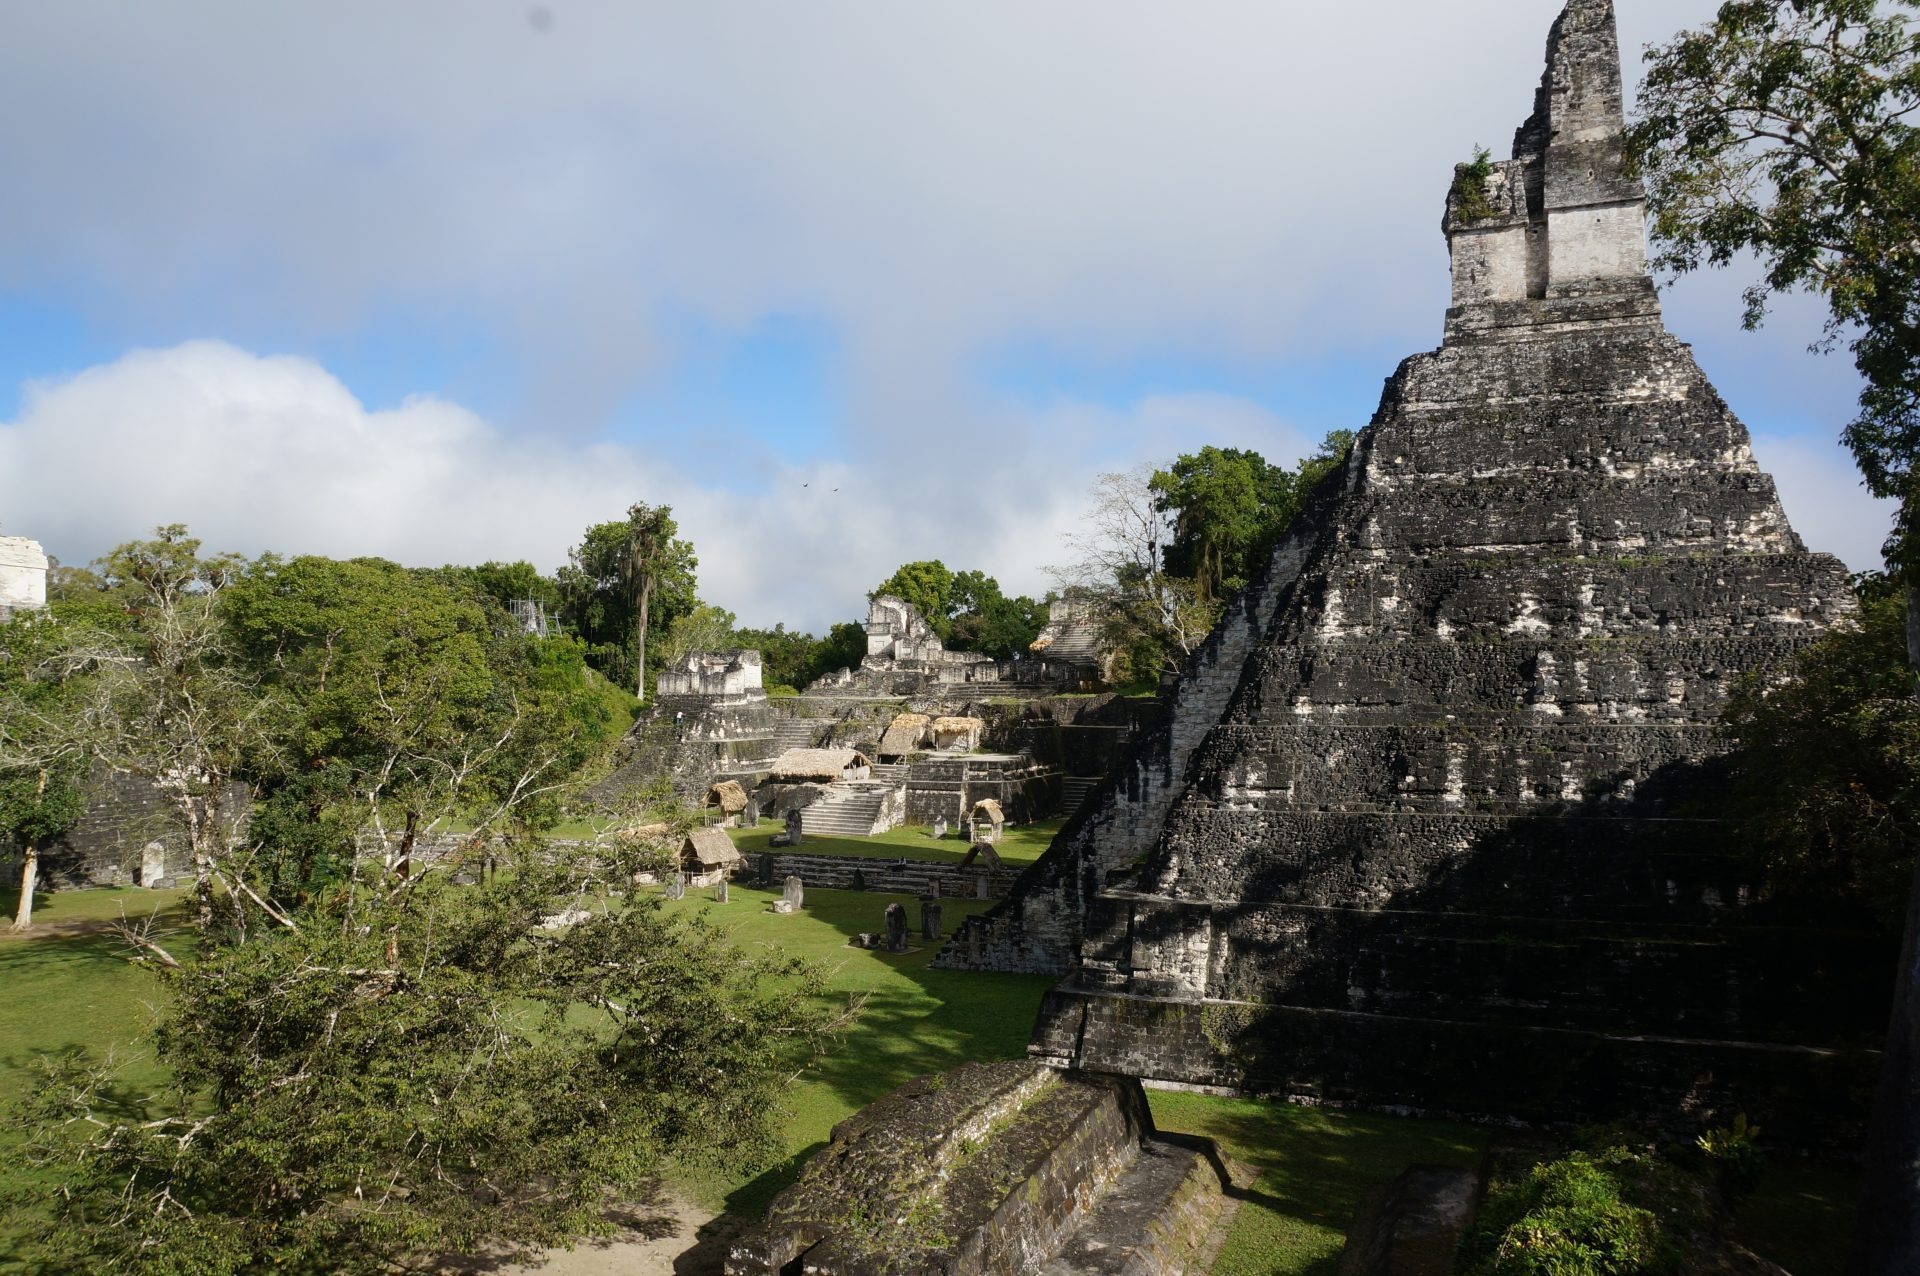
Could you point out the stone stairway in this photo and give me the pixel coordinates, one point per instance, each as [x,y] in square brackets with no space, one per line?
[796,733]
[1077,646]
[1075,790]
[894,773]
[1001,1167]
[859,812]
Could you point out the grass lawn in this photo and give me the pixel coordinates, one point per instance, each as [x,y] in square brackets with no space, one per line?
[917,1019]
[105,904]
[1317,1167]
[1801,1217]
[1019,846]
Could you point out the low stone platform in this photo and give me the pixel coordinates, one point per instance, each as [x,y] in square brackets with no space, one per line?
[995,1168]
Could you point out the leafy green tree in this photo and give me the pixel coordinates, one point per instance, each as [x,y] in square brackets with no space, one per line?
[1229,507]
[176,708]
[410,1071]
[44,748]
[986,620]
[705,628]
[506,583]
[600,589]
[1829,769]
[928,585]
[402,701]
[1786,129]
[786,655]
[1217,499]
[844,647]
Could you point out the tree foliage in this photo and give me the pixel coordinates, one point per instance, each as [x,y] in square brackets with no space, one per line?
[599,599]
[1786,129]
[1228,508]
[418,1068]
[1830,768]
[968,610]
[400,696]
[1158,551]
[928,586]
[45,745]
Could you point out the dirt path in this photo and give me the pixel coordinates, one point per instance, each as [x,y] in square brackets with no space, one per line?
[671,1239]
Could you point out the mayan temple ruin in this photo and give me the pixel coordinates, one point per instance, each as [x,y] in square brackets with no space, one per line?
[1435,820]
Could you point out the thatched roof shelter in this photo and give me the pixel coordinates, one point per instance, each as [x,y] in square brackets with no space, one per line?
[645,833]
[727,797]
[904,734]
[989,809]
[826,766]
[709,848]
[958,726]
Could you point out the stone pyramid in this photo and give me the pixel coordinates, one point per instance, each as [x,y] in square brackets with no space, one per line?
[1436,819]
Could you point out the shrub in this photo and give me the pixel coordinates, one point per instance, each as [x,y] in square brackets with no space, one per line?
[1734,1151]
[1566,1218]
[1470,187]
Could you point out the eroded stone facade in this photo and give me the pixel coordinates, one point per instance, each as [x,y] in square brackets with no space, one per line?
[1438,819]
[23,575]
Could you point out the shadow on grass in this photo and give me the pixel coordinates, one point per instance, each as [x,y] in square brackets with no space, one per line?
[916,1020]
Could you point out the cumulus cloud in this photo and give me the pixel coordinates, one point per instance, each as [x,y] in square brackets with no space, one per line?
[1234,175]
[261,453]
[934,182]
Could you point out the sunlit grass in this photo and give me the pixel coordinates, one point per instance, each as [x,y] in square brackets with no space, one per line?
[1019,846]
[1317,1167]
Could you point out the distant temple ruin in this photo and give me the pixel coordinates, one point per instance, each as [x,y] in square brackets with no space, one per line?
[1438,816]
[23,575]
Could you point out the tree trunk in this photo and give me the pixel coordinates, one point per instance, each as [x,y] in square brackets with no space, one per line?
[30,865]
[29,878]
[1887,1240]
[640,642]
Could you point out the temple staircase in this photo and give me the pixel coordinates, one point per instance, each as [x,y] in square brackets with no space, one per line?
[853,811]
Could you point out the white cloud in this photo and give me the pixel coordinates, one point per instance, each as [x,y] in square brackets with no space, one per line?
[1235,175]
[274,453]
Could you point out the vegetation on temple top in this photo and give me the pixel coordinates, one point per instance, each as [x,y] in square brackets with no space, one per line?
[1470,200]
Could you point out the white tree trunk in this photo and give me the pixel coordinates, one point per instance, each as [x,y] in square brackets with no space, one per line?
[30,865]
[29,879]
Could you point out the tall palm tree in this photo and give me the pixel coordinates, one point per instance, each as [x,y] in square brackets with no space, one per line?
[650,529]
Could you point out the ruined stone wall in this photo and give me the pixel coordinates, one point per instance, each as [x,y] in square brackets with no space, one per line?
[23,575]
[108,846]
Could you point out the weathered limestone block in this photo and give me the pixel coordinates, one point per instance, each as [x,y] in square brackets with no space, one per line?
[23,575]
[993,1168]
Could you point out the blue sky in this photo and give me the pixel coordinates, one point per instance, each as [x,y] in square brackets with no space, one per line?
[437,282]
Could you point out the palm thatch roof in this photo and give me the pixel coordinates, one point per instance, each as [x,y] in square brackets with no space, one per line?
[710,848]
[1041,643]
[904,734]
[645,833]
[989,809]
[727,796]
[817,764]
[958,726]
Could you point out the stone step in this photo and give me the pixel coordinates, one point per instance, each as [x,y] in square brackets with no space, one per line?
[994,1168]
[1075,790]
[845,815]
[1153,1219]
